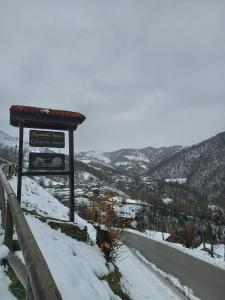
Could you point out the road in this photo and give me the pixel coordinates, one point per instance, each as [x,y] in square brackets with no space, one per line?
[206,281]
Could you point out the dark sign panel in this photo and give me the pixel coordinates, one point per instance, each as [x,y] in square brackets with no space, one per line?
[51,139]
[46,161]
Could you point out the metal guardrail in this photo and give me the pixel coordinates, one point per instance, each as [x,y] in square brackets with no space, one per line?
[34,275]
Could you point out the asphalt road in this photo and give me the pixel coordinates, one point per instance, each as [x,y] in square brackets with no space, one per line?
[206,281]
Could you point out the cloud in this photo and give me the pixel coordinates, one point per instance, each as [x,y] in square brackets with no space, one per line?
[144,73]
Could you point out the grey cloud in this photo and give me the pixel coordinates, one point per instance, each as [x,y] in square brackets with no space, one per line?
[144,72]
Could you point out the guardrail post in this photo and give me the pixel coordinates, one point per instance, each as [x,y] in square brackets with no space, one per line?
[3,207]
[30,295]
[8,238]
[18,267]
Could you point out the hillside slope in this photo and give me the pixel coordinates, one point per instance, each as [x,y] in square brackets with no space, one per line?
[75,266]
[203,165]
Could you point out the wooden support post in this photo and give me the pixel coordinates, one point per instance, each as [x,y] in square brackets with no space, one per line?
[19,268]
[20,165]
[8,238]
[71,171]
[30,295]
[3,206]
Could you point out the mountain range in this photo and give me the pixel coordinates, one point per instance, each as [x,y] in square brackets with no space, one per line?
[200,167]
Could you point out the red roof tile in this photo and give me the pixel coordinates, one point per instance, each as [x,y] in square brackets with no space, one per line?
[36,117]
[56,112]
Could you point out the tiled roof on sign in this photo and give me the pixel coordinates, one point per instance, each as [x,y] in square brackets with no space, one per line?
[44,118]
[53,112]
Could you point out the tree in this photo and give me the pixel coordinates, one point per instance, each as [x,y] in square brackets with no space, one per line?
[188,234]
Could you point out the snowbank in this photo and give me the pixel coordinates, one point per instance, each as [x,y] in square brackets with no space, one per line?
[139,281]
[184,289]
[3,252]
[4,286]
[167,200]
[157,235]
[75,266]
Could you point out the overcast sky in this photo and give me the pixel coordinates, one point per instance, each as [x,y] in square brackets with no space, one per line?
[145,73]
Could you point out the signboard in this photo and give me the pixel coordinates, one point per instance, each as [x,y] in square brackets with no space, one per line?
[46,161]
[51,139]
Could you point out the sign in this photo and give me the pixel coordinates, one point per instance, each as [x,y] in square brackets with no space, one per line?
[51,139]
[46,161]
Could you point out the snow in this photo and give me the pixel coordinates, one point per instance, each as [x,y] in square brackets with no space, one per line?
[3,252]
[78,192]
[167,200]
[139,281]
[173,280]
[178,180]
[34,197]
[139,157]
[55,183]
[116,199]
[45,110]
[157,235]
[98,156]
[121,163]
[4,285]
[85,161]
[82,201]
[196,252]
[75,266]
[4,279]
[132,201]
[218,250]
[7,140]
[86,176]
[127,210]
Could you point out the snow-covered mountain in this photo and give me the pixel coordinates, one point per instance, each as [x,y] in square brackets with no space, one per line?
[203,166]
[128,160]
[200,167]
[8,140]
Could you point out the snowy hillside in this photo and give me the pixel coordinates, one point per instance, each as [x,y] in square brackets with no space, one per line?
[128,160]
[202,165]
[78,268]
[6,139]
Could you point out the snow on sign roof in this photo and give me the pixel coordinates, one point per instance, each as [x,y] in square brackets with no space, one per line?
[36,117]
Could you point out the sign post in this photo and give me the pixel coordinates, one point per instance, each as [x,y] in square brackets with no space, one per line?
[43,164]
[71,170]
[20,163]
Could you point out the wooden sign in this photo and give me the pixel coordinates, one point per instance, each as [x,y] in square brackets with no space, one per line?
[50,139]
[46,161]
